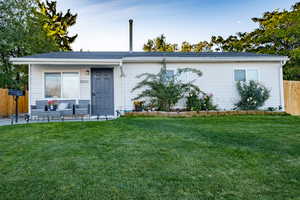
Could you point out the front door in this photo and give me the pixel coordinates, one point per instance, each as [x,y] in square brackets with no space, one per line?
[102,91]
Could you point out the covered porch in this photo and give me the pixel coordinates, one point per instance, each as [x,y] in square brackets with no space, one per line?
[74,88]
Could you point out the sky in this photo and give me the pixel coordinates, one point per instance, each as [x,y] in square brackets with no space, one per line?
[102,25]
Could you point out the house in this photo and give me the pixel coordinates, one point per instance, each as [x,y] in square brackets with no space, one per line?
[106,79]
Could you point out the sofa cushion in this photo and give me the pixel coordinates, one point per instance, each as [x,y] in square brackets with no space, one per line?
[62,106]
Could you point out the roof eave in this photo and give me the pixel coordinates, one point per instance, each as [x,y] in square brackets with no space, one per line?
[26,61]
[22,61]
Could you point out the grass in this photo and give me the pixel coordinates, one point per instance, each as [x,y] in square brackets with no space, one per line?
[230,157]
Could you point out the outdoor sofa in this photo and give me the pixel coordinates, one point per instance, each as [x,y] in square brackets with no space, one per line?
[42,110]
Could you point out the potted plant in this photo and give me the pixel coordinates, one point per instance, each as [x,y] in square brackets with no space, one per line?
[52,105]
[138,106]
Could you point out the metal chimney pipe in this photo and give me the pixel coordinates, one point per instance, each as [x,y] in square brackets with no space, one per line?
[130,34]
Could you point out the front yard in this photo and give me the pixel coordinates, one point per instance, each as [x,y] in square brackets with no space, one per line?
[225,157]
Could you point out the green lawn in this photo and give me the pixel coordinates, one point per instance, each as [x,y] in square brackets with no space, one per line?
[229,157]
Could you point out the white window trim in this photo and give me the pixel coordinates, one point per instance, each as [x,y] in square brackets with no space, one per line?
[61,82]
[246,70]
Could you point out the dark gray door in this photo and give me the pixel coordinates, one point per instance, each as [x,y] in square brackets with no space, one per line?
[102,92]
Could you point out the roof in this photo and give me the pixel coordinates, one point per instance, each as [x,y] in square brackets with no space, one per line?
[115,57]
[124,54]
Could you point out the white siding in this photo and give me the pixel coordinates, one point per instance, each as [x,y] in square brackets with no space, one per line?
[118,92]
[217,78]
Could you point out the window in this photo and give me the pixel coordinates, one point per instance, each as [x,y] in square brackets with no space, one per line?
[240,75]
[169,74]
[246,75]
[62,85]
[70,83]
[52,85]
[252,74]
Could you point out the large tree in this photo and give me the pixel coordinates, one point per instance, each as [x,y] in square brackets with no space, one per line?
[56,24]
[22,33]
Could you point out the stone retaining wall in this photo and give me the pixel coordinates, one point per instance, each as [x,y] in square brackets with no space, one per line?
[202,113]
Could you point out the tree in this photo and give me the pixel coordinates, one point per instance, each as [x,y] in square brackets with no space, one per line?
[186,47]
[164,91]
[159,44]
[21,34]
[202,46]
[56,24]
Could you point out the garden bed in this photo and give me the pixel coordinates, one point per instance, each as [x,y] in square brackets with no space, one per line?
[204,113]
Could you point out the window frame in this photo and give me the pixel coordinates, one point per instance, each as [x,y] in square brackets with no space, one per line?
[170,70]
[61,84]
[44,85]
[246,73]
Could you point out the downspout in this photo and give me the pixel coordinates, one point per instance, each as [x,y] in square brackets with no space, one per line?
[282,102]
[123,83]
[29,89]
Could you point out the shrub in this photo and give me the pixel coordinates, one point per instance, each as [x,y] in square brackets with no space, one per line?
[253,95]
[200,101]
[162,91]
[206,102]
[193,101]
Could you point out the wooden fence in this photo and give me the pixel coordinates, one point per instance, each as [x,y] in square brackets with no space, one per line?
[8,105]
[292,97]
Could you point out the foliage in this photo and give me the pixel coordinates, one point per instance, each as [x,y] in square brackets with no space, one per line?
[160,44]
[272,108]
[206,102]
[164,93]
[56,24]
[202,46]
[200,101]
[193,101]
[252,95]
[22,33]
